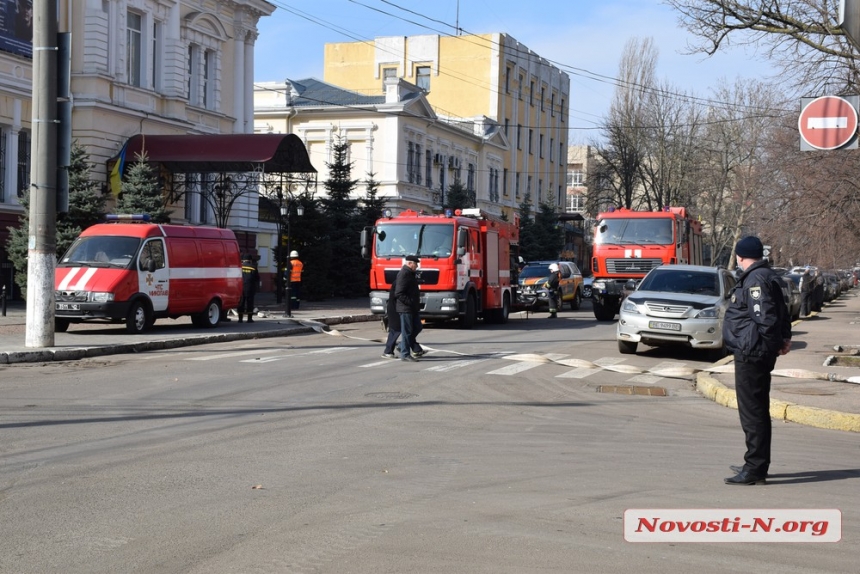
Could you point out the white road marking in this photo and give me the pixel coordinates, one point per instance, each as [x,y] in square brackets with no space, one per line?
[455,365]
[515,368]
[235,354]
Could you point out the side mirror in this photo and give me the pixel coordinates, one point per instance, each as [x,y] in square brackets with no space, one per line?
[366,235]
[462,241]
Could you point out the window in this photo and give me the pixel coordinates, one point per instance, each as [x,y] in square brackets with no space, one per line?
[542,96]
[551,149]
[507,80]
[428,168]
[552,105]
[388,73]
[532,93]
[505,182]
[540,146]
[520,87]
[190,198]
[191,86]
[2,165]
[517,185]
[519,136]
[23,162]
[562,110]
[207,83]
[470,177]
[134,45]
[156,55]
[422,77]
[507,129]
[575,177]
[540,191]
[531,139]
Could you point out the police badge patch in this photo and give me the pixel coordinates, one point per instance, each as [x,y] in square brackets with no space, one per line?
[755,293]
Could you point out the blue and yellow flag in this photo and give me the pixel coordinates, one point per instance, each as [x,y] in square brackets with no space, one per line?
[116,172]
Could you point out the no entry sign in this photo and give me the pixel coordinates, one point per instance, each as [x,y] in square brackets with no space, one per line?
[828,122]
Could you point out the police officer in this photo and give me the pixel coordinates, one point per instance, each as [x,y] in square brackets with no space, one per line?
[756,329]
[551,285]
[250,282]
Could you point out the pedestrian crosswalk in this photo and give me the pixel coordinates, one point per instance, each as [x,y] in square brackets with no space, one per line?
[498,364]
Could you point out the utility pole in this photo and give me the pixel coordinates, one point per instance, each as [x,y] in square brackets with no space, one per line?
[42,237]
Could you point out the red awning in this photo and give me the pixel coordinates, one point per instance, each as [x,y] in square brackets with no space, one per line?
[271,153]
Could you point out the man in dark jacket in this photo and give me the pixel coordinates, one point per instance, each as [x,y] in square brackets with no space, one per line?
[408,305]
[250,282]
[756,329]
[806,288]
[393,327]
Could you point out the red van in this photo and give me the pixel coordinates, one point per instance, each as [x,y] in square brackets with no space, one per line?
[140,272]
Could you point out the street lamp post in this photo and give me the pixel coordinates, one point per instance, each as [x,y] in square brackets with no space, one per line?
[286,212]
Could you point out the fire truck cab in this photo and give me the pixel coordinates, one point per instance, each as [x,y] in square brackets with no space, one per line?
[466,258]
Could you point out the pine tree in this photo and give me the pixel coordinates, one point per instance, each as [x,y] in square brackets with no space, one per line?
[345,223]
[141,192]
[86,208]
[372,205]
[457,197]
[529,247]
[548,234]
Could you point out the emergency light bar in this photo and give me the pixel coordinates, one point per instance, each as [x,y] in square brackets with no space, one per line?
[127,217]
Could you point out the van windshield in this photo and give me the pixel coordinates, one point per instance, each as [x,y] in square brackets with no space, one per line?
[101,251]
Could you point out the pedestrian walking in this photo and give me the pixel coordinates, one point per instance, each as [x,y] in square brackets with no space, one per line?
[551,285]
[806,292]
[393,326]
[250,283]
[756,329]
[296,268]
[408,301]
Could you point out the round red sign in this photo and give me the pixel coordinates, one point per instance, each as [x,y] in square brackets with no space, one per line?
[828,122]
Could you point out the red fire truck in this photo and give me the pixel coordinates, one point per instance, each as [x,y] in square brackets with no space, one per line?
[468,263]
[628,244]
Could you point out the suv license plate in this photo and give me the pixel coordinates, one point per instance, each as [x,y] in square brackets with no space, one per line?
[68,307]
[664,325]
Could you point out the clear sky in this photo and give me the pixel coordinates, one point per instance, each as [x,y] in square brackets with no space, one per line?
[584,38]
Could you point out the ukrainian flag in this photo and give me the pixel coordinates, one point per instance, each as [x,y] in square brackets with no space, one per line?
[116,172]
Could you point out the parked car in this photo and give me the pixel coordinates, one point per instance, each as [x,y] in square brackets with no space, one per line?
[677,305]
[586,287]
[791,295]
[535,273]
[832,287]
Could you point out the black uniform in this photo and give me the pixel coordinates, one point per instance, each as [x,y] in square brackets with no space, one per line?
[806,293]
[553,295]
[408,305]
[250,282]
[755,329]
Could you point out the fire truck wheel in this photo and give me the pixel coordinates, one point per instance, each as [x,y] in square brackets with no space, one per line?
[627,348]
[137,318]
[467,321]
[603,312]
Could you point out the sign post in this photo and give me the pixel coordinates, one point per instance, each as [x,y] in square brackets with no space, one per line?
[828,122]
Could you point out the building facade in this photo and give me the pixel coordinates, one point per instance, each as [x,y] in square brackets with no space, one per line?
[413,155]
[138,67]
[489,76]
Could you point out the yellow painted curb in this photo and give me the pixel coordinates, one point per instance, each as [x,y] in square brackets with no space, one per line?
[781,410]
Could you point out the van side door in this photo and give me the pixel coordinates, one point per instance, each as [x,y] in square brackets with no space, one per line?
[156,284]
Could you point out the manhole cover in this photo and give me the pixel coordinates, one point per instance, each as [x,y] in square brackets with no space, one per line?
[390,396]
[810,392]
[632,390]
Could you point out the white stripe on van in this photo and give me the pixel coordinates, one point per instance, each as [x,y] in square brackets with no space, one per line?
[81,285]
[204,272]
[64,284]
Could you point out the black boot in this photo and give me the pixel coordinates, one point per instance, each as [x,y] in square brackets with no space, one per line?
[240,318]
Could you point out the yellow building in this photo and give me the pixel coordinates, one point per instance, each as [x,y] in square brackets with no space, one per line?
[466,77]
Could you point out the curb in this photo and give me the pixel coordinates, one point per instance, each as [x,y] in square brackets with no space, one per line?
[77,353]
[781,410]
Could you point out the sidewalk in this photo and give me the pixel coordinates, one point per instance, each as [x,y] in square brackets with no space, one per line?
[96,339]
[816,384]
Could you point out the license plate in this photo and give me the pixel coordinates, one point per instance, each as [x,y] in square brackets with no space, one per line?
[68,307]
[664,325]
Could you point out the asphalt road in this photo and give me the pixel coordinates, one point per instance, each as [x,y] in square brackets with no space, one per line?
[311,454]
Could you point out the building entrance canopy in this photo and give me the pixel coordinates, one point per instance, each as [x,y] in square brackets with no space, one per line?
[221,153]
